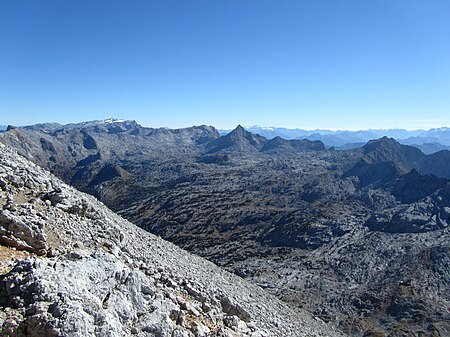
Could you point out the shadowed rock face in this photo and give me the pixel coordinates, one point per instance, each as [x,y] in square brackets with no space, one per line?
[402,158]
[374,174]
[387,149]
[344,234]
[437,163]
[89,142]
[109,172]
[412,187]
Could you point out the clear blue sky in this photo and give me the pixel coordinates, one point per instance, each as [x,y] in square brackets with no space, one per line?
[309,64]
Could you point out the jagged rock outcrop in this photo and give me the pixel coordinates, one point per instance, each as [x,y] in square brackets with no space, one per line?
[238,140]
[88,272]
[388,149]
[384,159]
[424,214]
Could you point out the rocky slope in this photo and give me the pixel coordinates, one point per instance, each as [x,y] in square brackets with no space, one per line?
[71,267]
[359,237]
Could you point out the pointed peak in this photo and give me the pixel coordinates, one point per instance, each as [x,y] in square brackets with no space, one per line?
[239,128]
[239,131]
[413,173]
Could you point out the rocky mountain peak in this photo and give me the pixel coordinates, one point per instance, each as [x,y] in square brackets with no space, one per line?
[388,149]
[240,130]
[381,143]
[240,135]
[238,140]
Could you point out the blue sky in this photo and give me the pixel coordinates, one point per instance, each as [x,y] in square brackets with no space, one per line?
[308,64]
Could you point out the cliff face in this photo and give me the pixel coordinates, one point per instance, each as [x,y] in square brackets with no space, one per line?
[71,267]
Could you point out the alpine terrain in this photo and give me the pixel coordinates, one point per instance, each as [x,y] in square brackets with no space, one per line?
[357,237]
[71,267]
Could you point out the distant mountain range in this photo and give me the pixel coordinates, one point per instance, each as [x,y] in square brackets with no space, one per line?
[429,141]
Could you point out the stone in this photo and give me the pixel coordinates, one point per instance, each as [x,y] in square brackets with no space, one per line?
[82,287]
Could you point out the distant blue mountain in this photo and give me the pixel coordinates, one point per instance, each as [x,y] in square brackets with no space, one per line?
[272,132]
[440,135]
[350,146]
[430,141]
[2,128]
[430,148]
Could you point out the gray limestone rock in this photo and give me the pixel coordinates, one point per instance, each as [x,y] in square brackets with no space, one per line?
[103,276]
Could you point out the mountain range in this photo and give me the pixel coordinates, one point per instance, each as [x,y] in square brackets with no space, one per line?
[429,141]
[356,237]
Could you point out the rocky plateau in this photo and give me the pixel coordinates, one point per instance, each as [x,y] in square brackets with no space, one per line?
[358,237]
[71,267]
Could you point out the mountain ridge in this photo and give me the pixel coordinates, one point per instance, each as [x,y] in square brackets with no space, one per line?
[331,138]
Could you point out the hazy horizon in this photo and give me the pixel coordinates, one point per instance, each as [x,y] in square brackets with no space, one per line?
[267,127]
